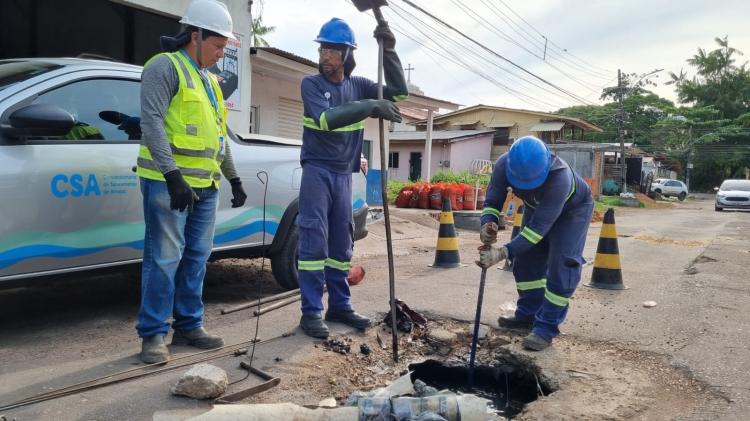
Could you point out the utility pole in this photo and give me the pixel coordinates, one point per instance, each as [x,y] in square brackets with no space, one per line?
[690,157]
[620,118]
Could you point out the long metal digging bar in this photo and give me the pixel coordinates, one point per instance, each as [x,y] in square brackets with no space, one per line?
[475,337]
[363,5]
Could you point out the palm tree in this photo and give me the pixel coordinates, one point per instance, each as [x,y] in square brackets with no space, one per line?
[260,30]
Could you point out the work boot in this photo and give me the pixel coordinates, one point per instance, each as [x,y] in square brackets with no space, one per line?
[534,342]
[312,325]
[348,317]
[154,350]
[513,323]
[198,338]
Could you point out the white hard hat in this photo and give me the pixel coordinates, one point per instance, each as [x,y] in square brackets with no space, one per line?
[211,15]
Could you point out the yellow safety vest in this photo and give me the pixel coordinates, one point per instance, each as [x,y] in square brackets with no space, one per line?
[193,127]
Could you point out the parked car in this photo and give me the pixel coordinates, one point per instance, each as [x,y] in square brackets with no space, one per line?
[732,194]
[70,200]
[670,188]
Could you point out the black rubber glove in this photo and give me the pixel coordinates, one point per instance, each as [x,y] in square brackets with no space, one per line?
[383,34]
[356,111]
[238,193]
[386,110]
[181,195]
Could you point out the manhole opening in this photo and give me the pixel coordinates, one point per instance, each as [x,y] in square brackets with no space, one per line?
[510,386]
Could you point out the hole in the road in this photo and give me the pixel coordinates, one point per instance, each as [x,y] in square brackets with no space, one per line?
[509,385]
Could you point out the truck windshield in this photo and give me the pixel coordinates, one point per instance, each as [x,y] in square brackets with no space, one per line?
[14,71]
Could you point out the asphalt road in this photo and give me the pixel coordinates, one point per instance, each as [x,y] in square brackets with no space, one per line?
[62,333]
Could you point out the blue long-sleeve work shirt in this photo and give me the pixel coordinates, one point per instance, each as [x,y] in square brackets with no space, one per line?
[562,191]
[339,150]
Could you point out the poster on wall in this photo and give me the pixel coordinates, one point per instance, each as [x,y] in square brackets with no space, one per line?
[228,72]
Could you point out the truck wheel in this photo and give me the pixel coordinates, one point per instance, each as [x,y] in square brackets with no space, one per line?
[284,263]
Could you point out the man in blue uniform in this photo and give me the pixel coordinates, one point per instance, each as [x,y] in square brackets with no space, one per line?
[336,106]
[547,253]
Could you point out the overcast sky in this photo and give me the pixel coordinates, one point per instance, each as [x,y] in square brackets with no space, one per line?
[602,36]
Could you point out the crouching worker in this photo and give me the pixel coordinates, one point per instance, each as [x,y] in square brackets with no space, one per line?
[547,253]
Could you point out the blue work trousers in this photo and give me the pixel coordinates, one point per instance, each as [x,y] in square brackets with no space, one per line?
[325,238]
[548,273]
[175,251]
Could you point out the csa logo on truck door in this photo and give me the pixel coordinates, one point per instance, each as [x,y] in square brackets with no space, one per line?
[75,185]
[84,185]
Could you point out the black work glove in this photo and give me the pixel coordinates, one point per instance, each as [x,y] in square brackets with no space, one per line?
[383,34]
[181,195]
[238,193]
[386,110]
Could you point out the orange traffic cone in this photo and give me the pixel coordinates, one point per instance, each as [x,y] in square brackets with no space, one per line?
[446,253]
[517,221]
[607,272]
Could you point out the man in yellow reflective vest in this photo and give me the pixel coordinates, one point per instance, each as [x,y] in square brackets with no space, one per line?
[184,153]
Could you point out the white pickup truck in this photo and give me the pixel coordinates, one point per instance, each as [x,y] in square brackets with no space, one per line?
[69,197]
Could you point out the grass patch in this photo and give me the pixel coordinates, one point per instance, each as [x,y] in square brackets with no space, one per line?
[605,202]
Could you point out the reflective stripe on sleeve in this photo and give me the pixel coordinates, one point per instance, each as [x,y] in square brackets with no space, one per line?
[531,235]
[491,211]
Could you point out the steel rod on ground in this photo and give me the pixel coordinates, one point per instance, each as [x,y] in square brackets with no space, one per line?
[277,305]
[228,350]
[263,300]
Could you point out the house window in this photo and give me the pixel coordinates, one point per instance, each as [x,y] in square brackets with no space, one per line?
[254,119]
[367,149]
[393,160]
[500,138]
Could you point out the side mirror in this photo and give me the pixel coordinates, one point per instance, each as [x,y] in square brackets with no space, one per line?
[716,189]
[38,120]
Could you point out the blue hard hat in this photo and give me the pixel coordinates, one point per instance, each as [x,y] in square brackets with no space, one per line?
[528,164]
[336,31]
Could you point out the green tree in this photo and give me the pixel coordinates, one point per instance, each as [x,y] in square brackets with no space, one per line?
[718,82]
[717,100]
[643,109]
[259,29]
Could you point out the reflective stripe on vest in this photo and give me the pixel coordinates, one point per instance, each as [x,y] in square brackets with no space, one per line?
[193,127]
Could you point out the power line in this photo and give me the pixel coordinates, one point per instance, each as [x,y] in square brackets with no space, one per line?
[541,45]
[469,68]
[489,50]
[525,98]
[550,41]
[477,56]
[484,22]
[475,53]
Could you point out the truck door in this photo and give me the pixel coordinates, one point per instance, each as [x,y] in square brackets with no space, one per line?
[78,202]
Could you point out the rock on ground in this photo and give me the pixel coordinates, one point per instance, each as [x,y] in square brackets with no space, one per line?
[202,381]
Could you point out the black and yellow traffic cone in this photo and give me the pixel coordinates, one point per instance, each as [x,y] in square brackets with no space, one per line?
[607,272]
[446,252]
[517,221]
